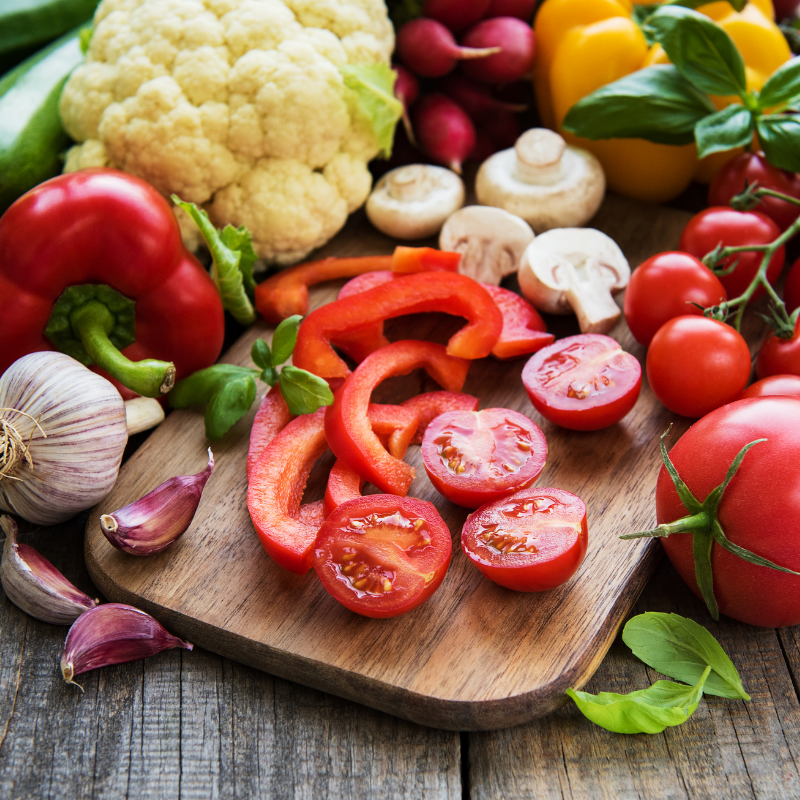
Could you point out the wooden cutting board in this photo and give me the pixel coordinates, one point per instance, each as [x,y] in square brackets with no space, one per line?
[475,656]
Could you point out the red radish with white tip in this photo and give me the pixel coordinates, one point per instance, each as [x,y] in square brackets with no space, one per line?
[428,49]
[475,98]
[406,90]
[517,47]
[457,15]
[444,131]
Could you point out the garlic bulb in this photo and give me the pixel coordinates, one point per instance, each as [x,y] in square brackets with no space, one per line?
[62,434]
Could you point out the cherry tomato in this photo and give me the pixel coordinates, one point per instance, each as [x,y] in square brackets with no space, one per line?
[791,287]
[774,385]
[754,168]
[696,364]
[730,228]
[532,541]
[475,457]
[759,509]
[779,356]
[666,286]
[584,382]
[382,555]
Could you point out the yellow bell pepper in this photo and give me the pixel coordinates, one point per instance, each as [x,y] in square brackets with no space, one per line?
[585,44]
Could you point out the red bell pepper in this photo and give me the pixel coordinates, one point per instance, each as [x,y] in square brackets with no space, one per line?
[272,417]
[347,424]
[429,405]
[275,489]
[406,260]
[524,331]
[85,254]
[452,293]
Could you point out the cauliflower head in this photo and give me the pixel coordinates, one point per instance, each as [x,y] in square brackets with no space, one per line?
[241,106]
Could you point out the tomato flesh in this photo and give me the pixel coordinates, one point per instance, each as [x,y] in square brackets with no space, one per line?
[532,541]
[382,555]
[584,382]
[475,457]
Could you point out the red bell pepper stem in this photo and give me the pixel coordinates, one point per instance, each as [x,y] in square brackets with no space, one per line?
[92,323]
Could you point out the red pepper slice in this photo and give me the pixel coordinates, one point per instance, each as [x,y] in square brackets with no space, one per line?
[275,489]
[429,405]
[424,259]
[360,343]
[524,331]
[347,424]
[272,417]
[452,293]
[96,229]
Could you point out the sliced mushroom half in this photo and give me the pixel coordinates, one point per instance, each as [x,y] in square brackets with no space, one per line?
[575,270]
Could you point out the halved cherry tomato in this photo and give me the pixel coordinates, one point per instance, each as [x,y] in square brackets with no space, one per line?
[532,541]
[475,457]
[773,385]
[584,382]
[382,555]
[668,285]
[429,405]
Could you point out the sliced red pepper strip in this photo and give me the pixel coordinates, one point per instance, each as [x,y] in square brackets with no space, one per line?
[343,484]
[524,331]
[359,344]
[424,259]
[429,405]
[275,490]
[272,417]
[452,293]
[347,424]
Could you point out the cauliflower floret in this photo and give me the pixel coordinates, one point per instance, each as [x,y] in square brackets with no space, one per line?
[236,104]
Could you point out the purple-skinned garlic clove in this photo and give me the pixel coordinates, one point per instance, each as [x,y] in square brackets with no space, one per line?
[113,633]
[33,584]
[158,519]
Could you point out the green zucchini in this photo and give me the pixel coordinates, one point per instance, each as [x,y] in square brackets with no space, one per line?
[28,25]
[32,138]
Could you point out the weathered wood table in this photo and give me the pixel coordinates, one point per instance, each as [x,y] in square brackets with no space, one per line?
[196,724]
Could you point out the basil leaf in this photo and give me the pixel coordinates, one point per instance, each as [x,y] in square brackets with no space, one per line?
[701,51]
[201,386]
[229,405]
[647,711]
[261,354]
[285,338]
[655,103]
[779,135]
[270,376]
[682,649]
[304,392]
[783,86]
[729,128]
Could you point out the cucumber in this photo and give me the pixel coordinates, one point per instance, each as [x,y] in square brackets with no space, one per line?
[27,25]
[32,138]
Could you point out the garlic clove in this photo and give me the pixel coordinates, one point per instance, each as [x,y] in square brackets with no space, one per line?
[113,633]
[155,521]
[33,584]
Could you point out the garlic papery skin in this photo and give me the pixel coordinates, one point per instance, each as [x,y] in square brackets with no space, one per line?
[62,435]
[113,633]
[33,584]
[154,522]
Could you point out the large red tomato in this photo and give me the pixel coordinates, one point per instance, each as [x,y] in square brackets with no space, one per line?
[725,226]
[759,509]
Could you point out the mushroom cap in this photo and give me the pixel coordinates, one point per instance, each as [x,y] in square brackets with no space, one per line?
[413,201]
[491,241]
[543,180]
[558,262]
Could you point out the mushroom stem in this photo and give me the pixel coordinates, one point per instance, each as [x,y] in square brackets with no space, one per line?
[539,152]
[594,306]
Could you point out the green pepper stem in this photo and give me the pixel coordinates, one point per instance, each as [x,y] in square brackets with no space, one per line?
[92,322]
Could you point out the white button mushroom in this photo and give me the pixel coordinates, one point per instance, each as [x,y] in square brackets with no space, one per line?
[491,241]
[412,202]
[543,180]
[575,269]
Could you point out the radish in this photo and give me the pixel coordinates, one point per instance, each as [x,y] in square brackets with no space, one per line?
[475,98]
[516,42]
[427,48]
[457,15]
[406,90]
[444,131]
[501,127]
[521,9]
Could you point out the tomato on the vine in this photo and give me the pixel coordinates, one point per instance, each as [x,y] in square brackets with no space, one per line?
[475,457]
[759,509]
[774,385]
[791,287]
[382,555]
[730,228]
[531,541]
[750,168]
[584,382]
[696,364]
[668,285]
[779,356]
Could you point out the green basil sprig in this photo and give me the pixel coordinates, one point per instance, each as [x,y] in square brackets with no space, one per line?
[670,104]
[228,391]
[674,646]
